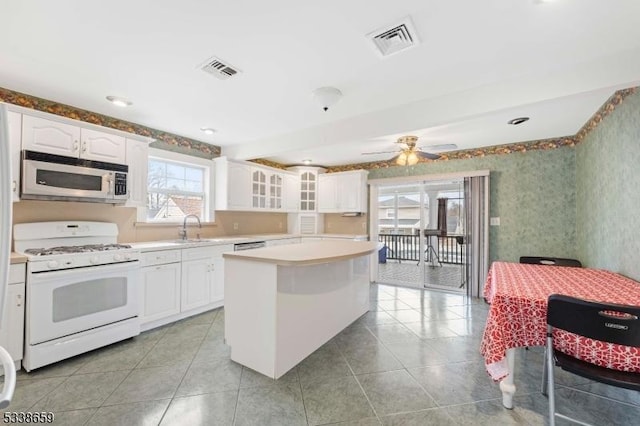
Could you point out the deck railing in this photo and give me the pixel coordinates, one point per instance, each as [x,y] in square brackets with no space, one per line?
[407,247]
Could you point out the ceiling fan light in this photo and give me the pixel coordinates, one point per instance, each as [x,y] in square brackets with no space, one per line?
[402,159]
[412,158]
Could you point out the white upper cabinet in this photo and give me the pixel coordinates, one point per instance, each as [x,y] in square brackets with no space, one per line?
[307,190]
[328,193]
[352,191]
[55,137]
[291,195]
[101,146]
[258,189]
[239,181]
[233,185]
[343,192]
[245,186]
[276,186]
[15,138]
[137,158]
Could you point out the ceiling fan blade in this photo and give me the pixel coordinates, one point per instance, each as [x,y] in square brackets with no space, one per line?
[379,152]
[441,147]
[428,155]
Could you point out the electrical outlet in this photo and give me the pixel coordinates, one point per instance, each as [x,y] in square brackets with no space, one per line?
[329,225]
[364,225]
[279,225]
[235,226]
[494,221]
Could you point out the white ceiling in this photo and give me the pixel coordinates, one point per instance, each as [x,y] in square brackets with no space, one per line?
[479,64]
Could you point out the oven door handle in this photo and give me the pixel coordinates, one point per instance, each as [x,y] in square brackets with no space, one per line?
[9,378]
[38,277]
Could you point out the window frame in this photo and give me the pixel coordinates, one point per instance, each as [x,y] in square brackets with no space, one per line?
[208,182]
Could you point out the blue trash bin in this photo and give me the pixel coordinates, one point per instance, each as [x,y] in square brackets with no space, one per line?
[382,253]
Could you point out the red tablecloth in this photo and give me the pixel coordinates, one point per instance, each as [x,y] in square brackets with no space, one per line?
[518,296]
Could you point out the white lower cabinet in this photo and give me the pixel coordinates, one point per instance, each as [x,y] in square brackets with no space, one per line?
[217,284]
[196,283]
[180,283]
[160,285]
[12,325]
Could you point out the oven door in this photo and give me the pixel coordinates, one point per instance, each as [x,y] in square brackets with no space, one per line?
[51,180]
[65,302]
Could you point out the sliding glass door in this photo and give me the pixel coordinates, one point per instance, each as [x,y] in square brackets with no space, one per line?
[401,210]
[417,226]
[429,230]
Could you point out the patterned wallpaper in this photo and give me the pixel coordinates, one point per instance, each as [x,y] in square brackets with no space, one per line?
[164,140]
[532,193]
[607,185]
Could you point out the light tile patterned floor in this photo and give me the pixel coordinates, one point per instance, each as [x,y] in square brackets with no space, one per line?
[408,273]
[412,360]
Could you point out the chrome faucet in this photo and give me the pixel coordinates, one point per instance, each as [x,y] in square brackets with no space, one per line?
[183,232]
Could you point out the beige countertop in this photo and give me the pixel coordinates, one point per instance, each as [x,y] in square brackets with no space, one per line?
[310,253]
[177,244]
[18,258]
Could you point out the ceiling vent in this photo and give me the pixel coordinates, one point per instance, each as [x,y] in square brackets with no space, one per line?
[395,38]
[219,68]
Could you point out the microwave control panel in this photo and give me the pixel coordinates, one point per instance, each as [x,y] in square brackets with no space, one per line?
[120,187]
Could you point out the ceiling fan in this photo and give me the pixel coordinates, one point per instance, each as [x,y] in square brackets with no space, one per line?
[411,154]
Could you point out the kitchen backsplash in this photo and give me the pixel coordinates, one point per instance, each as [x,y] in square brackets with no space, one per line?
[338,224]
[125,217]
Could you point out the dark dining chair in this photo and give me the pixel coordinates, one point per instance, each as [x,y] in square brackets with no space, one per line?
[555,261]
[618,324]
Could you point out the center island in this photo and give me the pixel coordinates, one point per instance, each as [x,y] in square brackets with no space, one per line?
[284,302]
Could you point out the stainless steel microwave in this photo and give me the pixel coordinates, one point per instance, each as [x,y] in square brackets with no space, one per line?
[56,177]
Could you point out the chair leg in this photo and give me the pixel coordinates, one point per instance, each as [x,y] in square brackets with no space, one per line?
[550,381]
[544,374]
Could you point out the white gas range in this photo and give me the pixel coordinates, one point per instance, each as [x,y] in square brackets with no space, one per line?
[82,289]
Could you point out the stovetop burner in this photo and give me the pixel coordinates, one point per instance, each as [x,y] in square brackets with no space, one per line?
[76,249]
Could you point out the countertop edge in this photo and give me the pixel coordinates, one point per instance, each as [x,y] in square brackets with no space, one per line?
[274,256]
[146,246]
[16,258]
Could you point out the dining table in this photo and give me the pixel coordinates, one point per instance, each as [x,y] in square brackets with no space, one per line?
[518,295]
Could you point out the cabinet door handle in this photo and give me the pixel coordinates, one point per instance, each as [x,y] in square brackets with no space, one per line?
[75,145]
[19,297]
[14,186]
[84,146]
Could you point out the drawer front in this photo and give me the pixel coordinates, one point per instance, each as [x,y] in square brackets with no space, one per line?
[161,256]
[17,273]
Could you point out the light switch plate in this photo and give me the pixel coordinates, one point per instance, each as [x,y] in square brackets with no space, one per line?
[494,221]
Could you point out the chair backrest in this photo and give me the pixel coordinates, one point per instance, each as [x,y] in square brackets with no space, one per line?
[554,261]
[619,324]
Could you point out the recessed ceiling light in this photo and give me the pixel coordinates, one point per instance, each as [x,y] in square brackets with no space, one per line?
[306,162]
[118,101]
[208,130]
[519,120]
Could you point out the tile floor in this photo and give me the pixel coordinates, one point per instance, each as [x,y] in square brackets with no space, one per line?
[412,360]
[408,273]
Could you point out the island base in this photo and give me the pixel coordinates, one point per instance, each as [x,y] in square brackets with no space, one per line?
[275,315]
